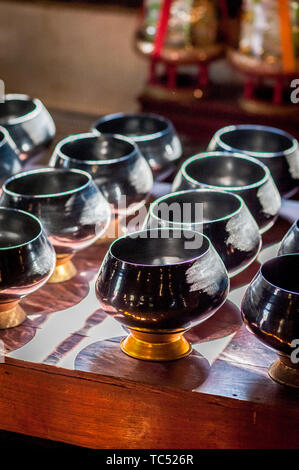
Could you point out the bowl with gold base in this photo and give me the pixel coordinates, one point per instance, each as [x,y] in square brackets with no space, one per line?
[119,170]
[27,260]
[159,283]
[71,208]
[270,311]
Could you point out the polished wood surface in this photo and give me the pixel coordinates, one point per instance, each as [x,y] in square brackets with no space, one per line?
[65,378]
[223,105]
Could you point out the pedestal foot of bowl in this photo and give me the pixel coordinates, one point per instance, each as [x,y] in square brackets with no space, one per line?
[11,314]
[285,372]
[64,269]
[114,230]
[156,347]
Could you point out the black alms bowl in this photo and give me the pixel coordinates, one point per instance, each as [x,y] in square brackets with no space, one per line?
[28,122]
[115,164]
[155,136]
[274,147]
[236,173]
[159,283]
[27,260]
[222,216]
[270,310]
[73,211]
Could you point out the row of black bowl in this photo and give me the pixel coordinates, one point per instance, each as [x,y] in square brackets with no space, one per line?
[121,168]
[152,282]
[31,130]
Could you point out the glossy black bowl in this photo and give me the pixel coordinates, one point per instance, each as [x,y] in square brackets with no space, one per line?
[270,310]
[73,211]
[27,260]
[236,173]
[275,148]
[159,283]
[222,216]
[115,164]
[155,136]
[290,242]
[9,159]
[29,124]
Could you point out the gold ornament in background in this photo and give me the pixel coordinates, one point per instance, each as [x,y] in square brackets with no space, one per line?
[270,34]
[204,23]
[192,23]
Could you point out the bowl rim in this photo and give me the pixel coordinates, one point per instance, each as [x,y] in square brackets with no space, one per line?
[28,214]
[5,138]
[47,170]
[200,156]
[88,135]
[38,107]
[260,272]
[274,130]
[140,138]
[158,266]
[202,190]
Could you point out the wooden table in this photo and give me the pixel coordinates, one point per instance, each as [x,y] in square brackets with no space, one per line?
[65,378]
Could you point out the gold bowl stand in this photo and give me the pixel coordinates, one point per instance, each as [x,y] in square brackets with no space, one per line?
[64,269]
[285,372]
[153,346]
[11,314]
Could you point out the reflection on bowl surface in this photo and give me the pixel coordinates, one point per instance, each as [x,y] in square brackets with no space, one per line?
[275,148]
[237,173]
[290,242]
[154,135]
[9,159]
[221,216]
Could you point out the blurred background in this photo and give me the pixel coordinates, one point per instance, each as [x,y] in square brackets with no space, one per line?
[77,55]
[74,55]
[210,61]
